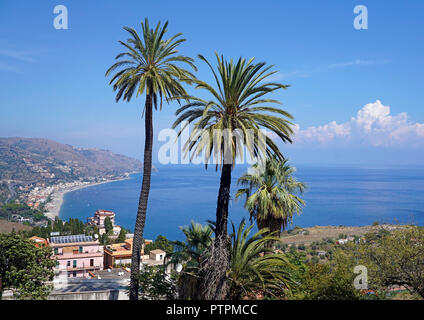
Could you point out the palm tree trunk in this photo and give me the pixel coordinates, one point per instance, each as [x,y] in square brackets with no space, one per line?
[216,284]
[223,201]
[142,203]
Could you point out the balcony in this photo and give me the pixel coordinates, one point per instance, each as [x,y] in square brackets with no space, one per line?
[77,255]
[86,268]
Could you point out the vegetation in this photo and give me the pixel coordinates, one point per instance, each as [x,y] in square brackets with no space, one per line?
[148,66]
[8,210]
[392,259]
[253,272]
[238,108]
[108,225]
[271,194]
[190,255]
[24,268]
[72,226]
[122,236]
[162,243]
[155,284]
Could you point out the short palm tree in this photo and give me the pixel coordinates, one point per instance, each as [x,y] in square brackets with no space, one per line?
[190,254]
[271,193]
[238,108]
[252,270]
[148,66]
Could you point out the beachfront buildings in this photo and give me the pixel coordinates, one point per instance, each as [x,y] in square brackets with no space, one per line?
[77,255]
[99,220]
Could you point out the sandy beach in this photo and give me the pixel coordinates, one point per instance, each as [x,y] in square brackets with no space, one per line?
[53,207]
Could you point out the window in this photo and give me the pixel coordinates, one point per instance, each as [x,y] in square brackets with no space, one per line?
[56,251]
[74,274]
[91,262]
[75,263]
[80,249]
[68,264]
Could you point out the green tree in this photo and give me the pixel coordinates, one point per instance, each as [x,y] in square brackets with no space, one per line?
[328,282]
[392,259]
[25,268]
[122,236]
[162,243]
[190,255]
[271,193]
[108,225]
[155,284]
[238,109]
[148,66]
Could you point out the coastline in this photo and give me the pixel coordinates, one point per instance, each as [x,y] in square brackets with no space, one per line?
[54,206]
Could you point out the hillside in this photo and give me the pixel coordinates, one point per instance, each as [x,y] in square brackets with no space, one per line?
[26,161]
[8,226]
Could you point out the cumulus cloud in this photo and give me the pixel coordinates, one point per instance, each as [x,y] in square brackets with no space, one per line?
[372,126]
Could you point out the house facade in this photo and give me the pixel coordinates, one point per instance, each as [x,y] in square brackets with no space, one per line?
[119,254]
[76,255]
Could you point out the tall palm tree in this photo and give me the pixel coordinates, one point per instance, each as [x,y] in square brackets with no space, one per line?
[271,193]
[148,66]
[238,107]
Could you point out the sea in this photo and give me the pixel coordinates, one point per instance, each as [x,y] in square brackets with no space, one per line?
[336,195]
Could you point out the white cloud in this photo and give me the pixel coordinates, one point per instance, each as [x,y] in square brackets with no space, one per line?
[372,126]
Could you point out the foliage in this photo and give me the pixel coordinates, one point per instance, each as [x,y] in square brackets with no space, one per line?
[122,236]
[190,255]
[10,209]
[255,268]
[155,284]
[108,225]
[238,104]
[150,65]
[162,243]
[72,226]
[238,107]
[271,192]
[328,282]
[393,259]
[25,268]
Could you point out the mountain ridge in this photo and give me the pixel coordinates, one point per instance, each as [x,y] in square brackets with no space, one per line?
[29,161]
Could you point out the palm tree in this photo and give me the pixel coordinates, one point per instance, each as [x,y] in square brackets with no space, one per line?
[190,254]
[271,194]
[239,109]
[252,271]
[148,66]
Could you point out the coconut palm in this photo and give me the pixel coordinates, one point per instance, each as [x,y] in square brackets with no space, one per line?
[271,193]
[149,65]
[238,108]
[252,271]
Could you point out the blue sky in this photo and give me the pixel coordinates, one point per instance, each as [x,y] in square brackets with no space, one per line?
[53,85]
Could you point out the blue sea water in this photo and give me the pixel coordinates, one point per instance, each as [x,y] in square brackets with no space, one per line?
[350,196]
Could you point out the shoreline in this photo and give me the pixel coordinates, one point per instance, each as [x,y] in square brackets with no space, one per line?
[54,206]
